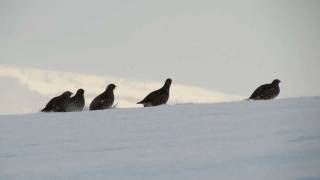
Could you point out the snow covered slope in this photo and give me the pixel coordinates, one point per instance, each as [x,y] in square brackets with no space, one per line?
[29,89]
[246,140]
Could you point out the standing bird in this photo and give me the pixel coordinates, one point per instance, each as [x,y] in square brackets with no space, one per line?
[157,97]
[77,102]
[104,100]
[267,91]
[59,103]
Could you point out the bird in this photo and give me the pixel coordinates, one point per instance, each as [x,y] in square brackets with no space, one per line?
[77,102]
[104,100]
[58,104]
[158,97]
[267,91]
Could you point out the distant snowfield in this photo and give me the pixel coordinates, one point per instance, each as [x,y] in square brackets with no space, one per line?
[35,87]
[245,140]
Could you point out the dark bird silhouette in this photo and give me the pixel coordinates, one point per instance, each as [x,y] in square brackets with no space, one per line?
[77,102]
[157,97]
[104,100]
[266,91]
[59,103]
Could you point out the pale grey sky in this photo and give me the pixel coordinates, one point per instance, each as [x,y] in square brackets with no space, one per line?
[228,46]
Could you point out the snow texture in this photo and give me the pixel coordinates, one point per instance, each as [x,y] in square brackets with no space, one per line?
[245,140]
[44,84]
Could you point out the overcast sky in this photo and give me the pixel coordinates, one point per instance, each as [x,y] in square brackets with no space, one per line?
[228,46]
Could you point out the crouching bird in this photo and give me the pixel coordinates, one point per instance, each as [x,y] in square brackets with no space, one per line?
[77,102]
[104,100]
[59,103]
[158,97]
[267,91]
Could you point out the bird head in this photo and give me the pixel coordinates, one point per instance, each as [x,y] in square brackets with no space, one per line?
[80,92]
[168,82]
[67,93]
[276,81]
[111,87]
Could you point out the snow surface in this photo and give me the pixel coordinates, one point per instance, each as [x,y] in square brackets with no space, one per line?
[245,140]
[33,88]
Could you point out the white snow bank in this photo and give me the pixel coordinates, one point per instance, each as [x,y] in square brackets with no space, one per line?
[128,92]
[277,139]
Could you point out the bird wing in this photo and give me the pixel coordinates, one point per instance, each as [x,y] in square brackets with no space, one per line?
[269,92]
[72,99]
[160,99]
[50,105]
[150,97]
[97,102]
[259,90]
[61,104]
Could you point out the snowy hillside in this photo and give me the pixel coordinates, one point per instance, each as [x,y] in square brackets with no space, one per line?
[29,89]
[246,140]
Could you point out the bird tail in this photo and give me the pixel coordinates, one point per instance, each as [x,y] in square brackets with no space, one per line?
[140,102]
